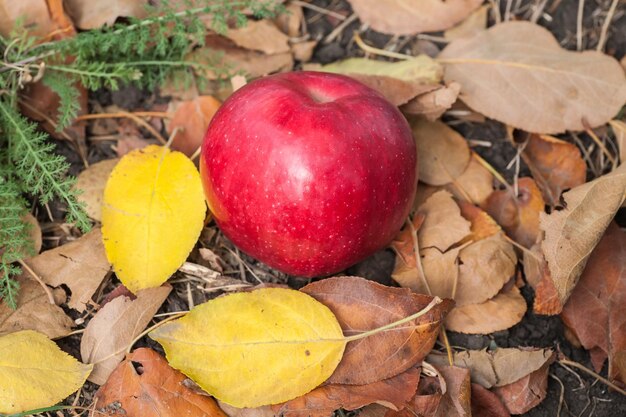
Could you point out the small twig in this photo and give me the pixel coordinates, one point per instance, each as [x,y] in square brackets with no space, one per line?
[161,114]
[601,145]
[196,153]
[39,280]
[605,26]
[170,140]
[339,29]
[493,171]
[592,373]
[377,51]
[558,411]
[579,25]
[319,9]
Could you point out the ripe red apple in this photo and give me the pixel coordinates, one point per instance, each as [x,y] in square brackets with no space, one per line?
[309,172]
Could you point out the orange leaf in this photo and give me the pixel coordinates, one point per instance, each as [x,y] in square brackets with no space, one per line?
[192,118]
[527,392]
[487,404]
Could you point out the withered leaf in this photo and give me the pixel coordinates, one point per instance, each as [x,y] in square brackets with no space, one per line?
[91,14]
[475,184]
[145,385]
[91,182]
[192,118]
[474,23]
[526,393]
[361,305]
[487,404]
[260,35]
[596,310]
[443,223]
[572,233]
[432,104]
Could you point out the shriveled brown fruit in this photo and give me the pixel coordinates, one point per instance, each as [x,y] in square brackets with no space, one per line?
[525,393]
[361,305]
[596,310]
[518,215]
[408,17]
[556,165]
[394,393]
[487,404]
[573,232]
[144,385]
[191,118]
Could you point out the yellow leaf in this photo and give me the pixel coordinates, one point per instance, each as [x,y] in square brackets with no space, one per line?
[421,68]
[152,215]
[35,373]
[256,348]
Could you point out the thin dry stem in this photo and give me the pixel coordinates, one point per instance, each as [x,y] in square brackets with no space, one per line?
[592,373]
[606,25]
[376,51]
[39,280]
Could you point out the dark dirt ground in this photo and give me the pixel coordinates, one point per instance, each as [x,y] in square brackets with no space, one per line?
[570,392]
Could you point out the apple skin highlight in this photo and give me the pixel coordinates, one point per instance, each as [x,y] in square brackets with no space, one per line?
[309,172]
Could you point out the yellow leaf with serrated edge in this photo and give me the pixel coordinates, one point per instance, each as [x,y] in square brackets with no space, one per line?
[152,215]
[35,373]
[256,348]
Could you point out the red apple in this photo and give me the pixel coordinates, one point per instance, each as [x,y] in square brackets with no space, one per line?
[309,172]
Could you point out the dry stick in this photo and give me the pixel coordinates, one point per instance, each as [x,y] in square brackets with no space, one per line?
[579,25]
[136,117]
[339,29]
[493,171]
[605,26]
[319,9]
[377,51]
[592,373]
[39,280]
[600,144]
[558,411]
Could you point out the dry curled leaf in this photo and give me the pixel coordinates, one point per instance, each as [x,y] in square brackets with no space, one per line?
[443,223]
[191,118]
[596,310]
[573,232]
[487,404]
[91,183]
[527,392]
[408,17]
[432,104]
[474,185]
[144,385]
[81,265]
[91,14]
[556,165]
[361,305]
[110,332]
[518,74]
[443,153]
[259,35]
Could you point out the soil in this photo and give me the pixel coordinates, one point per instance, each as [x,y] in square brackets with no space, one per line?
[570,391]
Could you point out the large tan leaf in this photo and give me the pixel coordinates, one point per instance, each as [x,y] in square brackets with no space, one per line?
[35,373]
[361,305]
[407,17]
[517,73]
[152,215]
[91,183]
[81,265]
[144,385]
[115,326]
[443,224]
[475,183]
[256,348]
[572,233]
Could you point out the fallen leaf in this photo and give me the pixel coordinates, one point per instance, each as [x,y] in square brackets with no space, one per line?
[262,411]
[34,311]
[619,130]
[115,326]
[259,35]
[443,154]
[290,21]
[526,393]
[257,341]
[35,373]
[474,185]
[81,265]
[474,23]
[443,223]
[146,238]
[145,385]
[393,392]
[487,404]
[303,51]
[432,104]
[408,17]
[92,14]
[497,368]
[556,165]
[501,312]
[192,118]
[518,215]
[482,224]
[91,183]
[595,312]
[517,73]
[129,143]
[361,305]
[36,17]
[441,272]
[573,232]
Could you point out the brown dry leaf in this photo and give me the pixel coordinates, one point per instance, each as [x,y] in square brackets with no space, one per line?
[92,14]
[260,35]
[40,17]
[192,118]
[252,63]
[91,182]
[499,313]
[573,232]
[596,310]
[473,24]
[487,404]
[441,272]
[482,224]
[394,393]
[443,154]
[361,305]
[115,326]
[290,21]
[475,183]
[34,311]
[408,17]
[81,265]
[556,165]
[526,393]
[303,51]
[619,130]
[129,143]
[396,91]
[432,104]
[497,368]
[519,217]
[145,385]
[517,73]
[443,223]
